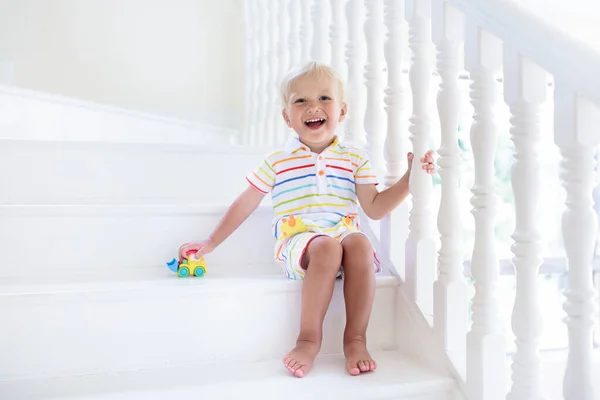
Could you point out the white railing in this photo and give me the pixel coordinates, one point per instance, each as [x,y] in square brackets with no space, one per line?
[500,40]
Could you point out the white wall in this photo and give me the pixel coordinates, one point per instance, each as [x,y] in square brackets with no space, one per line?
[181,58]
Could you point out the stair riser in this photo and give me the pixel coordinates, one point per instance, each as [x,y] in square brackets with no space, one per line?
[62,240]
[41,172]
[86,332]
[31,115]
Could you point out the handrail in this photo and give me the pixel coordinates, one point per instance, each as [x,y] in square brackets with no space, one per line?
[539,41]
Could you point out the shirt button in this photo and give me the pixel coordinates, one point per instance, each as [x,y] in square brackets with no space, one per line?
[321,172]
[320,157]
[303,148]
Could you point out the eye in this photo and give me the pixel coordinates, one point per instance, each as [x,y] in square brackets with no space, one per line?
[324,98]
[299,101]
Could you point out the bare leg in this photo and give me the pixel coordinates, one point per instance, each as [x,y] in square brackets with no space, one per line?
[359,292]
[321,261]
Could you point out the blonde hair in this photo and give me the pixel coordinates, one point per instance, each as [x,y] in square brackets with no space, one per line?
[312,68]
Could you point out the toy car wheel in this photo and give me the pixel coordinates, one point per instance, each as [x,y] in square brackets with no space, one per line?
[199,271]
[183,272]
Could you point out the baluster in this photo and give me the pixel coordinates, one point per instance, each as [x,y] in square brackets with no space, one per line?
[283,66]
[263,72]
[295,47]
[420,245]
[485,342]
[524,92]
[576,123]
[394,49]
[274,117]
[321,50]
[306,30]
[374,113]
[450,290]
[256,72]
[283,56]
[354,51]
[394,94]
[249,25]
[337,38]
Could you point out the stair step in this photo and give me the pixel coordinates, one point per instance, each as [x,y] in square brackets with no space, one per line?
[97,238]
[150,318]
[397,377]
[83,172]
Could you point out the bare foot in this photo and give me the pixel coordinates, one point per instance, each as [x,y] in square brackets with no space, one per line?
[299,361]
[358,358]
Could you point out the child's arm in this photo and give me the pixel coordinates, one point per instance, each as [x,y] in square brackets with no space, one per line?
[236,214]
[379,204]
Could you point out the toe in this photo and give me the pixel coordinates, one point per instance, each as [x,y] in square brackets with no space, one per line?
[299,373]
[362,366]
[353,369]
[373,365]
[294,365]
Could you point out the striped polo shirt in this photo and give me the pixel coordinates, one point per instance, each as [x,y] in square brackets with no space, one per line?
[320,189]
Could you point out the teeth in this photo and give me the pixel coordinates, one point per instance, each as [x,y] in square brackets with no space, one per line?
[315,120]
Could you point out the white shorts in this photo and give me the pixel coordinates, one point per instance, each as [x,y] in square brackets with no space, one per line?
[291,252]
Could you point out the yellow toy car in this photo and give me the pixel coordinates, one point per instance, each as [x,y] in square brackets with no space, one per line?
[188,266]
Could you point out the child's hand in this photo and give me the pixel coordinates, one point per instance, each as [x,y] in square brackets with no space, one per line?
[201,247]
[426,160]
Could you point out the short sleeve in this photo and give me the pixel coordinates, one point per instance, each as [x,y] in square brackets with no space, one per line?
[262,178]
[365,174]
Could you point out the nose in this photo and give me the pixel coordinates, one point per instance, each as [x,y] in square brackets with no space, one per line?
[313,107]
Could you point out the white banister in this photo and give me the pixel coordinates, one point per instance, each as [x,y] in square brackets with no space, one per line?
[250,47]
[262,98]
[395,47]
[420,245]
[450,317]
[336,36]
[283,55]
[354,52]
[273,113]
[374,82]
[392,227]
[485,343]
[543,43]
[283,58]
[524,91]
[306,30]
[321,49]
[294,45]
[576,134]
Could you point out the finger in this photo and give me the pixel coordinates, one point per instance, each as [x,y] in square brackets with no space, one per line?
[183,250]
[197,255]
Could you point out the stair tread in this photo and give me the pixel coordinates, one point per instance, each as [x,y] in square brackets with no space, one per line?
[397,376]
[159,278]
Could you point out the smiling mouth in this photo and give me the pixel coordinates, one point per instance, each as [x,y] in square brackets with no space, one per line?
[314,123]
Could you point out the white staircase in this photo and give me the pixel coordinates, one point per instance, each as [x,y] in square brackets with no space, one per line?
[89,310]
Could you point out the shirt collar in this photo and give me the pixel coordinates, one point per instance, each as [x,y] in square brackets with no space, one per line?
[294,144]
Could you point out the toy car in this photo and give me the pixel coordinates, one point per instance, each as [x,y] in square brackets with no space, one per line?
[188,266]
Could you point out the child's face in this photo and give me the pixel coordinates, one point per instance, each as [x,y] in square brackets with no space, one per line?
[314,110]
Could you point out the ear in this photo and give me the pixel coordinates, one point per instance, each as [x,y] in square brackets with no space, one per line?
[286,117]
[343,111]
